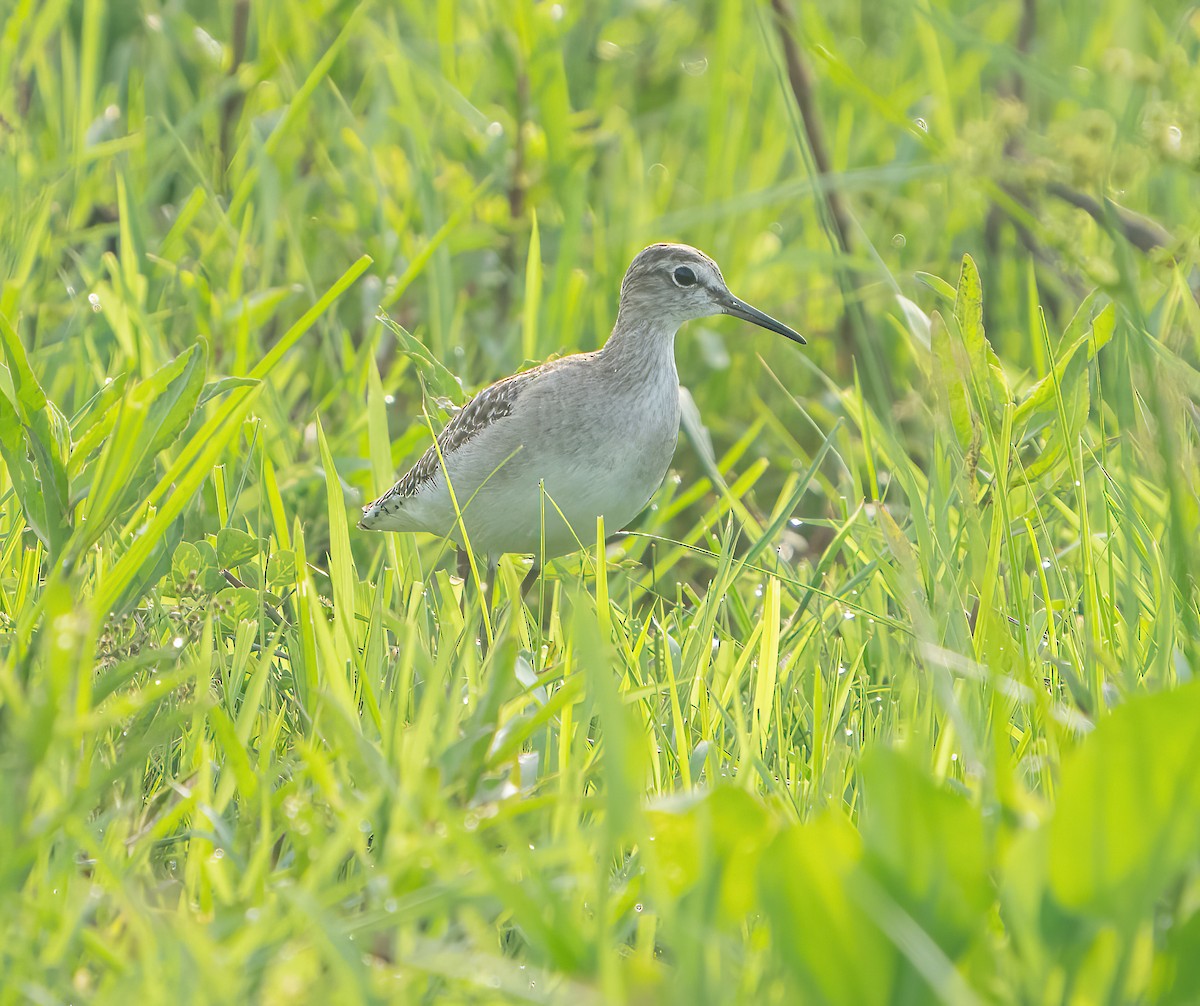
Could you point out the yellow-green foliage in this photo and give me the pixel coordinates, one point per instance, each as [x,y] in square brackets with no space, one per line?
[885,700]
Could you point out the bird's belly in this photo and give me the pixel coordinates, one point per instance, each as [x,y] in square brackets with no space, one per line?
[546,499]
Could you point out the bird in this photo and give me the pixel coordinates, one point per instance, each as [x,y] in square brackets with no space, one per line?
[529,464]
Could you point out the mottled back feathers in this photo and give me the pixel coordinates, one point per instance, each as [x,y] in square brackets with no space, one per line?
[491,404]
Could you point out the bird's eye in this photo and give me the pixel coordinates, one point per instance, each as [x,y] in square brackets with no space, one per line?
[684,276]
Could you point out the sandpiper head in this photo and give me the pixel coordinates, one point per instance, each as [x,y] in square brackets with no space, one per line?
[678,283]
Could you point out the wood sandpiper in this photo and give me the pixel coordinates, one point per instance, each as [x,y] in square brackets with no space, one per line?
[534,459]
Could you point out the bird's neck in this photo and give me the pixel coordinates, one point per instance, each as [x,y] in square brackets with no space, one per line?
[642,352]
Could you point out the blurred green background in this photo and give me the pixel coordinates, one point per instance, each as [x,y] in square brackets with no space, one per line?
[888,698]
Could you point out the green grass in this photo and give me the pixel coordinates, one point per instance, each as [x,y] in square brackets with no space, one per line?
[886,699]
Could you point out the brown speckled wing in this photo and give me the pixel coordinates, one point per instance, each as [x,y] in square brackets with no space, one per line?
[489,406]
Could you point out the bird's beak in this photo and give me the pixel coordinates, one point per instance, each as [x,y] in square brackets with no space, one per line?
[740,309]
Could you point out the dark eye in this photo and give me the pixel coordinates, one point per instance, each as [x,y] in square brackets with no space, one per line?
[684,276]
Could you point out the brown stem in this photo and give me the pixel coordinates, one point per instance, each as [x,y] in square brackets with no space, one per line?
[516,197]
[1025,33]
[516,187]
[232,105]
[1014,87]
[268,607]
[802,90]
[853,341]
[1141,232]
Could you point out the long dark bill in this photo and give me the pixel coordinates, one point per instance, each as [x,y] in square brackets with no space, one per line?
[740,309]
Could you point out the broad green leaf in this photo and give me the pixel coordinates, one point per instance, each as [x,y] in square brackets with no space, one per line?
[176,389]
[951,370]
[236,604]
[210,579]
[281,568]
[1128,814]
[1021,884]
[97,406]
[250,573]
[1076,396]
[1103,327]
[938,286]
[822,934]
[208,555]
[235,546]
[711,845]
[928,848]
[1040,400]
[1180,965]
[989,381]
[91,431]
[185,563]
[223,385]
[438,379]
[50,445]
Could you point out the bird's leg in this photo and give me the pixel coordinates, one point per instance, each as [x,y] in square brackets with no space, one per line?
[530,578]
